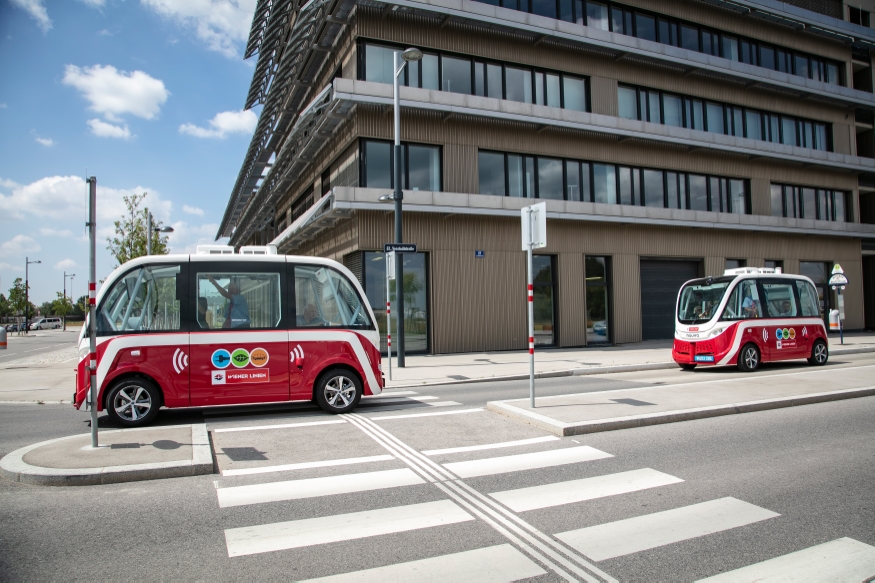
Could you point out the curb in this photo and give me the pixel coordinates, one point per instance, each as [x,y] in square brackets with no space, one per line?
[14,468]
[591,370]
[565,429]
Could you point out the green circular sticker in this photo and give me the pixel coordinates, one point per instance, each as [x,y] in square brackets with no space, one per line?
[786,333]
[240,357]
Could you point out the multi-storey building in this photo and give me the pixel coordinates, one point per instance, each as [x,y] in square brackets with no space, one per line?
[669,139]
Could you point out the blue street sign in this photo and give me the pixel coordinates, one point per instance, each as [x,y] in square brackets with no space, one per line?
[479,254]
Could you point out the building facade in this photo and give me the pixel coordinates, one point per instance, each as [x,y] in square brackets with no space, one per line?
[670,140]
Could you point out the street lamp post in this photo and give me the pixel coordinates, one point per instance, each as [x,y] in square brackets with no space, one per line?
[150,229]
[71,276]
[27,263]
[409,55]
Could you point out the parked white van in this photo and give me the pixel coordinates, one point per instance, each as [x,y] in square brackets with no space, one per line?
[46,324]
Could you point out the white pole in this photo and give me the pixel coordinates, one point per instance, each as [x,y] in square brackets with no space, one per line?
[388,320]
[92,309]
[531,301]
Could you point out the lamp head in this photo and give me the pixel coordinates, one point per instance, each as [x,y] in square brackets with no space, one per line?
[411,54]
[387,197]
[165,229]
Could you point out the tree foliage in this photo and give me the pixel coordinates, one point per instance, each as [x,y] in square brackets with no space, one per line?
[18,296]
[131,232]
[62,306]
[5,306]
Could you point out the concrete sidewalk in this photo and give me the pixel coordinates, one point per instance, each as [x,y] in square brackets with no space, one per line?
[124,455]
[552,362]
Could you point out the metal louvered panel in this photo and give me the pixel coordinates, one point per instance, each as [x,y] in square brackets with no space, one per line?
[259,24]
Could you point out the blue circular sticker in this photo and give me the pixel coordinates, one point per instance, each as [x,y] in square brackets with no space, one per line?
[779,334]
[221,358]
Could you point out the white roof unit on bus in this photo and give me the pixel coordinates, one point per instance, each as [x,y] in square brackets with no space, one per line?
[748,270]
[215,250]
[258,250]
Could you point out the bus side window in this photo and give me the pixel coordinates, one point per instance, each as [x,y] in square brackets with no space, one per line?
[780,299]
[744,302]
[146,299]
[324,297]
[807,299]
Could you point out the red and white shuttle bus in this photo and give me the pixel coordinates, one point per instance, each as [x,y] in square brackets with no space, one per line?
[748,316]
[220,328]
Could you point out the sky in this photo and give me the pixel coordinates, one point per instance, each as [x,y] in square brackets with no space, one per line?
[145,95]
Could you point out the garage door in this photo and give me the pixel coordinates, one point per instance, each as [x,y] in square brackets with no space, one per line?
[660,283]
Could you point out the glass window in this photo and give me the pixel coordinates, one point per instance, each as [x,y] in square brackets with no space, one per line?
[672,192]
[823,204]
[144,300]
[689,38]
[754,125]
[572,181]
[808,301]
[699,300]
[325,298]
[617,24]
[378,64]
[597,299]
[790,203]
[539,88]
[737,197]
[767,57]
[604,183]
[748,53]
[544,8]
[628,102]
[718,203]
[735,263]
[715,117]
[698,192]
[783,62]
[413,74]
[744,302]
[515,176]
[730,48]
[544,292]
[240,300]
[493,81]
[664,32]
[554,96]
[820,141]
[808,204]
[780,301]
[574,93]
[707,45]
[456,75]
[597,16]
[566,11]
[627,195]
[800,63]
[654,194]
[832,73]
[645,26]
[479,79]
[774,128]
[839,212]
[550,178]
[653,110]
[673,110]
[737,119]
[424,172]
[529,165]
[698,116]
[519,84]
[430,72]
[415,304]
[579,13]
[378,164]
[788,131]
[491,170]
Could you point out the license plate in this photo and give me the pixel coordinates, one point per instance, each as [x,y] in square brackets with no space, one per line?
[705,358]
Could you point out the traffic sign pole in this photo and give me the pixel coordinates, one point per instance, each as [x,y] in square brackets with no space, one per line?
[92,307]
[390,274]
[531,306]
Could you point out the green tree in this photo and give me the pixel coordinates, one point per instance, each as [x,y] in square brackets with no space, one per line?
[46,309]
[17,296]
[62,305]
[131,232]
[5,307]
[80,308]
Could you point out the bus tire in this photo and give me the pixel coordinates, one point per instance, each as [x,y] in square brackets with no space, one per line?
[133,402]
[819,353]
[688,366]
[338,391]
[749,358]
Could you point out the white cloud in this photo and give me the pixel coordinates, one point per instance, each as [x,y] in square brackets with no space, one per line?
[103,129]
[55,232]
[193,210]
[65,264]
[48,142]
[11,267]
[2,106]
[221,24]
[37,11]
[18,245]
[94,3]
[113,93]
[104,32]
[224,123]
[185,238]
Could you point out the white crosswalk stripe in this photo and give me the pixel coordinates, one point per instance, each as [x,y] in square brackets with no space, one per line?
[632,535]
[526,461]
[306,465]
[492,564]
[449,450]
[844,559]
[579,490]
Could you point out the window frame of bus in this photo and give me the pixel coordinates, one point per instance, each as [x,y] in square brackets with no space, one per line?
[791,281]
[293,306]
[182,295]
[225,267]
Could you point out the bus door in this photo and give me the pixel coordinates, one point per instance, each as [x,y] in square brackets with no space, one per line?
[239,342]
[786,337]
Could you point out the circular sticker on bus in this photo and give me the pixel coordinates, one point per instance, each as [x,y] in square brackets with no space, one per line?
[786,333]
[778,334]
[221,358]
[240,357]
[792,333]
[259,357]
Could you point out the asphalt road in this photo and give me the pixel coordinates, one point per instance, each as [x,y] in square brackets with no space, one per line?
[790,478]
[35,343]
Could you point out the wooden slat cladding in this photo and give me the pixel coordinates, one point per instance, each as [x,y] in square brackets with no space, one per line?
[572,291]
[510,48]
[603,94]
[626,298]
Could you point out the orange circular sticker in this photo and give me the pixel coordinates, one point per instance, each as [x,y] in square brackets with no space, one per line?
[792,333]
[258,357]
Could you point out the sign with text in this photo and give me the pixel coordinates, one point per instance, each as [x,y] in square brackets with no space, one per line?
[399,247]
[479,254]
[837,279]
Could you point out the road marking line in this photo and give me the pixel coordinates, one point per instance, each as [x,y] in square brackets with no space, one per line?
[314,531]
[544,439]
[411,400]
[313,487]
[526,461]
[307,465]
[844,559]
[385,395]
[283,426]
[572,491]
[426,414]
[498,563]
[624,537]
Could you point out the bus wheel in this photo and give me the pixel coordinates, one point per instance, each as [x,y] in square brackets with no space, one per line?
[688,366]
[338,391]
[749,358]
[133,402]
[819,353]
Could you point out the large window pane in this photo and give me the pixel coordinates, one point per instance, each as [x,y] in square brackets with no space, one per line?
[754,125]
[515,176]
[696,115]
[777,198]
[808,204]
[145,300]
[645,27]
[491,171]
[566,12]
[672,106]
[800,63]
[653,189]
[604,183]
[415,299]
[628,102]
[715,117]
[690,38]
[671,190]
[597,16]
[767,57]
[519,84]
[241,300]
[456,75]
[529,166]
[324,297]
[597,300]
[698,192]
[737,197]
[542,271]
[839,212]
[544,8]
[626,193]
[425,168]
[539,88]
[493,81]
[617,21]
[430,72]
[807,299]
[550,178]
[572,180]
[378,64]
[554,96]
[820,141]
[730,48]
[585,181]
[780,301]
[479,79]
[378,165]
[574,93]
[653,110]
[718,201]
[788,131]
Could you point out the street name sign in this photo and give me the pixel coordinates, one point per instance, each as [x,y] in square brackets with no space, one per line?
[399,247]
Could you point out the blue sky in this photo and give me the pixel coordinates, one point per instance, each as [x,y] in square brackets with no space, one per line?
[147,95]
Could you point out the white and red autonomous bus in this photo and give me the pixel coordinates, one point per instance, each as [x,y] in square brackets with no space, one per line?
[746,317]
[221,328]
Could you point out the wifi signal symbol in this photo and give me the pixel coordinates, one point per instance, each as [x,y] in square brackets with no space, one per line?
[180,361]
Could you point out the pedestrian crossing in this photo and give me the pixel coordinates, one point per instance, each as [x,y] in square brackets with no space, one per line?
[511,514]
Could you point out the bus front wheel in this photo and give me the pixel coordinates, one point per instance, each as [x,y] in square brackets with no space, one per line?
[338,391]
[133,402]
[749,358]
[819,353]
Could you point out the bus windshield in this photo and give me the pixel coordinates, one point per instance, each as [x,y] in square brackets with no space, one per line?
[700,299]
